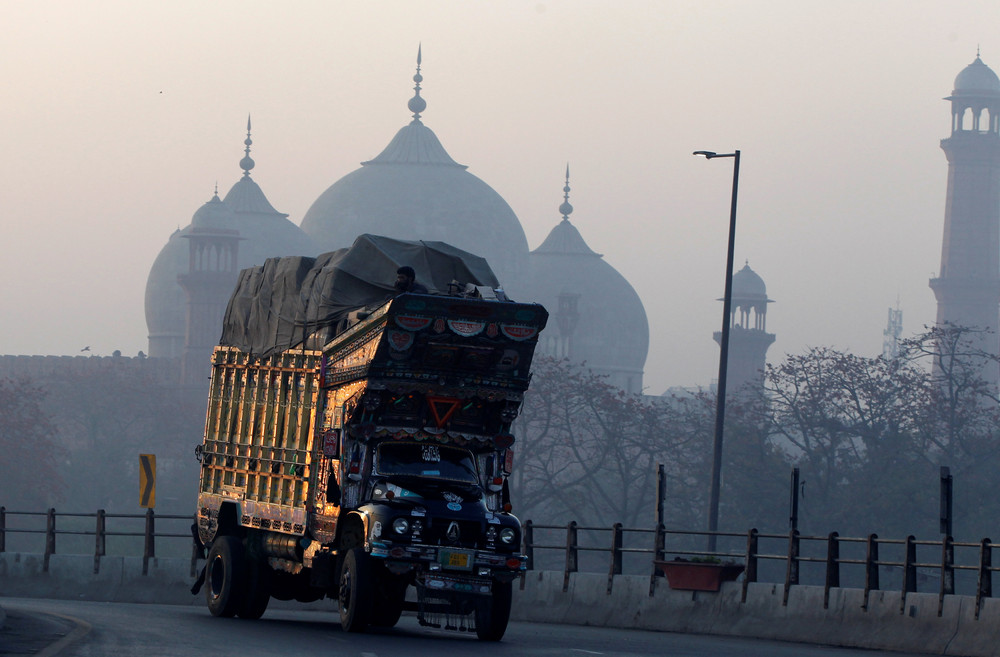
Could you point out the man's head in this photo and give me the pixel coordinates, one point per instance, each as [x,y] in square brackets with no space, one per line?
[404,278]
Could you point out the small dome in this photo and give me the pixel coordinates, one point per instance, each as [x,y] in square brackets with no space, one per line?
[612,332]
[977,77]
[215,214]
[748,285]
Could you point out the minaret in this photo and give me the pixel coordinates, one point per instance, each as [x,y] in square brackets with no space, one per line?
[968,286]
[748,336]
[209,282]
[212,271]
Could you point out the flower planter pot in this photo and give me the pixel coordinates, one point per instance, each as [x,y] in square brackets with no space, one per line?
[697,576]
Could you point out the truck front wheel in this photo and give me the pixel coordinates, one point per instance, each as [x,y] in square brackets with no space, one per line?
[355,591]
[492,615]
[224,573]
[391,598]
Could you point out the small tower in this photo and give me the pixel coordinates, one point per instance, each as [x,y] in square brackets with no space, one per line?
[214,249]
[968,286]
[748,336]
[891,334]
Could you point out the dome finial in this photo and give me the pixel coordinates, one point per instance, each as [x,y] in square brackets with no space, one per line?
[565,208]
[417,104]
[247,162]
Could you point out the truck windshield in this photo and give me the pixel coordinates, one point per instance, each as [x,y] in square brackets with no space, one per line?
[427,460]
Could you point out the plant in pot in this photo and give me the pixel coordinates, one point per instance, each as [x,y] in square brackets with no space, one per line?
[699,573]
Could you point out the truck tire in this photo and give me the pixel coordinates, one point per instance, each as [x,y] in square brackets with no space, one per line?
[224,576]
[391,596]
[492,617]
[355,591]
[257,592]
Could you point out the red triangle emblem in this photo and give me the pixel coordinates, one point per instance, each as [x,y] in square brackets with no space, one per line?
[442,408]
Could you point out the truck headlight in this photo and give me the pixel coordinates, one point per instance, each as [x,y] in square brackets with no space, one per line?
[400,525]
[507,535]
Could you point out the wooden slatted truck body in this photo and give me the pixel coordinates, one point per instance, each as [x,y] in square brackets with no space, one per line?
[370,467]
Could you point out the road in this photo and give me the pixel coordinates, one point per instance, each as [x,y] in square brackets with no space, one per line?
[48,628]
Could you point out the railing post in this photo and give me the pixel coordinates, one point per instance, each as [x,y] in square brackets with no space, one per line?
[3,529]
[832,567]
[791,564]
[99,541]
[947,571]
[149,550]
[985,587]
[616,554]
[871,568]
[528,547]
[750,571]
[909,572]
[50,538]
[659,551]
[571,554]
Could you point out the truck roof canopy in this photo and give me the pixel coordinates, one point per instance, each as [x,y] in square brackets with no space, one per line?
[277,305]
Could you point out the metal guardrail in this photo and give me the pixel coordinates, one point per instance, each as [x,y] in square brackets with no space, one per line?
[100,532]
[795,550]
[830,556]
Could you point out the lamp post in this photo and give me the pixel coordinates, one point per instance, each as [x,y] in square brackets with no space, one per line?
[720,403]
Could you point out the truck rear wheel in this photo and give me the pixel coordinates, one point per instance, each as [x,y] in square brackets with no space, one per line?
[492,616]
[224,574]
[257,590]
[355,591]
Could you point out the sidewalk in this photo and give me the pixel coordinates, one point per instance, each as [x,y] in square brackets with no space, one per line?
[30,633]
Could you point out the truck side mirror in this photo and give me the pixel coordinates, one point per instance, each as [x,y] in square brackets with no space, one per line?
[505,496]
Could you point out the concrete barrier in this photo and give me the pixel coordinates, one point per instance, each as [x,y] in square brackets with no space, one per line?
[885,623]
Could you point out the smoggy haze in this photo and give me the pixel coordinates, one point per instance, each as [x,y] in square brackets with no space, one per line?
[119,118]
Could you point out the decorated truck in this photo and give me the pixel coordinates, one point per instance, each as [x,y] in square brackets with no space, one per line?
[361,450]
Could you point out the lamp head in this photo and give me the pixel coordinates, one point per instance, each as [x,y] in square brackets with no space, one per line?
[705,154]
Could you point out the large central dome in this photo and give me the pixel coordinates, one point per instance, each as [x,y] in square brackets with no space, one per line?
[413,190]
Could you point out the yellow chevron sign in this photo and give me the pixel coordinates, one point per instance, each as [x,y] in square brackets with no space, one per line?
[147,481]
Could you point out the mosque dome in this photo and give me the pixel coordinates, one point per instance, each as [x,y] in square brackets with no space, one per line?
[598,317]
[264,233]
[977,77]
[414,190]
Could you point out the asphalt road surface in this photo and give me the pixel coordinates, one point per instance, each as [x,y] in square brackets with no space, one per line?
[47,628]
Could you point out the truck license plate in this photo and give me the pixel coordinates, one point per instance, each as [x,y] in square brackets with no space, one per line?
[455,559]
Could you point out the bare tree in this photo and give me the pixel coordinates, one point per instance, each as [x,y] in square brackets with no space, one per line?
[29,469]
[588,451]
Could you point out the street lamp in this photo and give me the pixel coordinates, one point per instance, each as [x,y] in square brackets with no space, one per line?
[720,402]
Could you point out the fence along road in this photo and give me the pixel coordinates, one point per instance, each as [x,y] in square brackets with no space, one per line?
[792,588]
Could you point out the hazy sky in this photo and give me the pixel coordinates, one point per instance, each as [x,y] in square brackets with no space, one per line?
[118,119]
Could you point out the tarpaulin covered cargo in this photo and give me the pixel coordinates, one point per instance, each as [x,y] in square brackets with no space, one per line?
[277,305]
